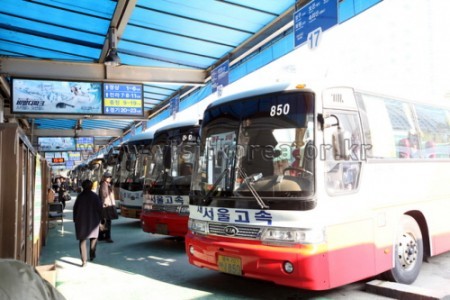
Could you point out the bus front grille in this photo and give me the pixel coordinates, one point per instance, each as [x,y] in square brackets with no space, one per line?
[166,208]
[234,230]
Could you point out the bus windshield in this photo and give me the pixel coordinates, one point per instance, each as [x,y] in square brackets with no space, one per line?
[173,163]
[257,148]
[134,165]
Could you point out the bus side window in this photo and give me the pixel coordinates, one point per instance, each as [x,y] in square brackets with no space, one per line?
[434,127]
[430,149]
[403,148]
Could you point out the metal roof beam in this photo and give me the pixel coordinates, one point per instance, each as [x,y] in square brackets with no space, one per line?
[83,132]
[73,117]
[4,85]
[119,20]
[33,68]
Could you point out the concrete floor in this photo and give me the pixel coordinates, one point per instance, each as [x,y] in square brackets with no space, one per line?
[115,273]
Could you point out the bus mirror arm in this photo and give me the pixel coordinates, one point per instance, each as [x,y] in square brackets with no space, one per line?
[341,144]
[341,138]
[321,121]
[322,118]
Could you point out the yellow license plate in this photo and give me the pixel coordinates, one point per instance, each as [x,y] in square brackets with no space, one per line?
[230,265]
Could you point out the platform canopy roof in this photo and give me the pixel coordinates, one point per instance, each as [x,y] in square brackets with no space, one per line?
[170,46]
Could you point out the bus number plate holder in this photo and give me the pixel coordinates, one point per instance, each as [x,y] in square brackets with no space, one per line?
[162,229]
[230,265]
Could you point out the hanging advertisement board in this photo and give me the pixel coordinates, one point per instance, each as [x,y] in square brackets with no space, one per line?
[38,96]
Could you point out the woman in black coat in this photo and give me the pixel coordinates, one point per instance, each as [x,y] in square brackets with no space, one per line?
[87,213]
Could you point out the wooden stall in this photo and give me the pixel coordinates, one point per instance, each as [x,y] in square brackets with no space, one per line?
[23,182]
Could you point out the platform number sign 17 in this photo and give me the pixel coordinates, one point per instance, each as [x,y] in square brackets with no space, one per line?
[314,37]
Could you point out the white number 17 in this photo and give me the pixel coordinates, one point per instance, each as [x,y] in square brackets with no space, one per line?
[313,37]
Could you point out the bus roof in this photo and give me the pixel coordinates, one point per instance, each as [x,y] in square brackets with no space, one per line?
[148,135]
[257,91]
[190,123]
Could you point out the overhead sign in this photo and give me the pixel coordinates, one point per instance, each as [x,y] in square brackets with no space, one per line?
[56,144]
[219,77]
[70,164]
[123,99]
[314,18]
[48,156]
[58,160]
[56,97]
[74,156]
[85,144]
[174,105]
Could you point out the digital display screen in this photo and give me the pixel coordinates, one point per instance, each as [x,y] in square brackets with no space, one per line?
[85,143]
[74,156]
[56,97]
[56,144]
[123,99]
[57,160]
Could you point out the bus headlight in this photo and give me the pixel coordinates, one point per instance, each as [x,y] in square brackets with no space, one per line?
[197,226]
[147,204]
[184,210]
[289,236]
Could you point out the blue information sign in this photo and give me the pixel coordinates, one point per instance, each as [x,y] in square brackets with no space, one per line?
[174,105]
[85,143]
[122,99]
[316,16]
[70,164]
[219,76]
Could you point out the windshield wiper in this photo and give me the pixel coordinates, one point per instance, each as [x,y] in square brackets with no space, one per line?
[208,199]
[252,189]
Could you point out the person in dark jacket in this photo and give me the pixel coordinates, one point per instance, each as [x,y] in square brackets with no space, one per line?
[107,196]
[87,213]
[62,190]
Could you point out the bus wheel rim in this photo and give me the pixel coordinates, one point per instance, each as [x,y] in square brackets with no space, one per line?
[407,251]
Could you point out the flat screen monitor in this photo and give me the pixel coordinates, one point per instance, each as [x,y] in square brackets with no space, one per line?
[56,144]
[39,96]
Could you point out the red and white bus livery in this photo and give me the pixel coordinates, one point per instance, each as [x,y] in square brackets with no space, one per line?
[166,192]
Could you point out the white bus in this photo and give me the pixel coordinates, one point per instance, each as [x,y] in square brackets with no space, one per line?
[323,186]
[134,158]
[360,202]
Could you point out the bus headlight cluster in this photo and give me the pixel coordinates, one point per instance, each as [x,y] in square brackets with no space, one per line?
[184,210]
[289,236]
[147,205]
[197,226]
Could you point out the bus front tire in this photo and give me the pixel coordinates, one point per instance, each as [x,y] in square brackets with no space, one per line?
[408,252]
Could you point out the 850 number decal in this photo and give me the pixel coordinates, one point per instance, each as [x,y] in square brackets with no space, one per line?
[279,110]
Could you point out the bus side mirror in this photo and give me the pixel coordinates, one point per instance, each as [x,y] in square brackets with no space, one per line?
[130,164]
[341,144]
[167,157]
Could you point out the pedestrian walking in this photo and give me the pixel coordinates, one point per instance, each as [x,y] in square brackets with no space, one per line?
[63,192]
[87,213]
[109,207]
